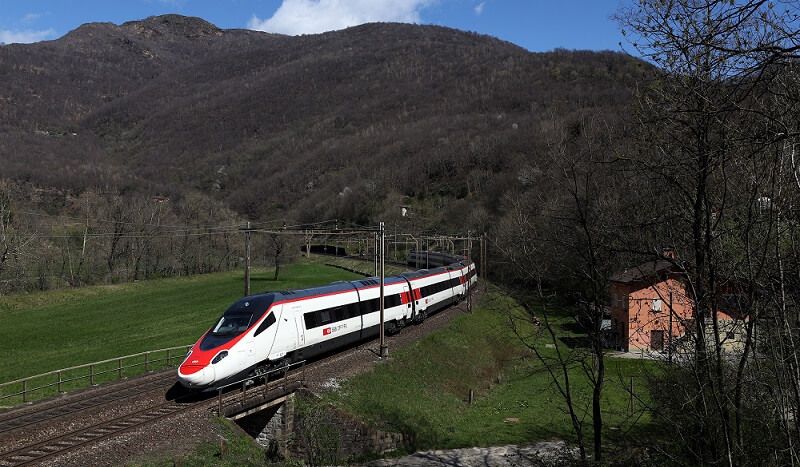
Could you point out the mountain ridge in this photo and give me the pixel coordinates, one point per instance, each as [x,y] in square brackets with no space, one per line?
[341,124]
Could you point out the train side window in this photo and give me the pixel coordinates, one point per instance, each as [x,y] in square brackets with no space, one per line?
[337,313]
[269,321]
[311,320]
[324,316]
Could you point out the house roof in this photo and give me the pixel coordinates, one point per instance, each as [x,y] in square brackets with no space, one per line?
[644,271]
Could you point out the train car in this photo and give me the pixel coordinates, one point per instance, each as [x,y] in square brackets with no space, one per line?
[470,273]
[262,332]
[434,289]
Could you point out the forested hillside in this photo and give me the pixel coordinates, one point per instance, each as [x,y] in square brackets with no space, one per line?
[337,125]
[236,125]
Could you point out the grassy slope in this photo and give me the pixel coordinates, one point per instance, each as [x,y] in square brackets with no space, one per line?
[429,383]
[364,267]
[58,329]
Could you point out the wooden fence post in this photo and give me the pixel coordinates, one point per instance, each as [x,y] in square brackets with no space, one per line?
[631,396]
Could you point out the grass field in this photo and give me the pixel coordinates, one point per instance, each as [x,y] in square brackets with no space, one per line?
[58,329]
[423,390]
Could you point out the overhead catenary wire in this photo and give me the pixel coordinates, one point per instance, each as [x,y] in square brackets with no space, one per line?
[279,224]
[173,234]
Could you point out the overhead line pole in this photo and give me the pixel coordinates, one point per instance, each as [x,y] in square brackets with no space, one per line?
[384,348]
[375,258]
[247,260]
[469,280]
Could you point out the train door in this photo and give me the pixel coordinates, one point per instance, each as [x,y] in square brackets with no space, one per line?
[285,339]
[298,322]
[246,353]
[408,300]
[418,309]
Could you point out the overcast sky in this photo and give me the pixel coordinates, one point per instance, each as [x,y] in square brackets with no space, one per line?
[537,25]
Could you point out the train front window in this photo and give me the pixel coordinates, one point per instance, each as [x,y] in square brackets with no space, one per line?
[236,320]
[232,324]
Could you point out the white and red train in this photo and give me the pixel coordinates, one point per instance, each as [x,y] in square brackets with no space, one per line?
[266,331]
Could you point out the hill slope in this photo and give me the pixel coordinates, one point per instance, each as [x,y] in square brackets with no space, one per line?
[346,124]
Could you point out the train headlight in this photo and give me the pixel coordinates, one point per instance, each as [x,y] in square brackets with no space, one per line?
[220,356]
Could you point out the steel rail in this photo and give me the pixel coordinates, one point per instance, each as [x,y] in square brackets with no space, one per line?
[100,431]
[94,433]
[18,421]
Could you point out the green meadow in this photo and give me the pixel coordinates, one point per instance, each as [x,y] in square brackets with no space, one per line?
[63,328]
[423,390]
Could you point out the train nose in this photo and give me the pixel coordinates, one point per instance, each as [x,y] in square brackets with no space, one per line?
[195,376]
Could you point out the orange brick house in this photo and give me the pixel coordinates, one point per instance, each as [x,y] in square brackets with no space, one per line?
[641,300]
[650,307]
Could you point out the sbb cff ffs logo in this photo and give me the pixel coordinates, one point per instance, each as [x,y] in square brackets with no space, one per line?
[333,329]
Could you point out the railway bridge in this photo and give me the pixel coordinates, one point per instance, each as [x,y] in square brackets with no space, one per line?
[266,413]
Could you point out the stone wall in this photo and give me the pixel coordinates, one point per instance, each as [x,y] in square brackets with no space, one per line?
[321,429]
[303,426]
[272,427]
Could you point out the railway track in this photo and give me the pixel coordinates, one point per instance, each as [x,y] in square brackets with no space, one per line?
[14,421]
[39,451]
[92,434]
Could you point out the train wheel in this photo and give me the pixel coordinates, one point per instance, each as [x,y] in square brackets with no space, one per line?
[258,374]
[278,369]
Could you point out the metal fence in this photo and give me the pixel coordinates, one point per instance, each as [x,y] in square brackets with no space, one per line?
[65,379]
[270,383]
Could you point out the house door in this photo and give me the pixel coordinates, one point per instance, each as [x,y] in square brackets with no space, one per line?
[657,340]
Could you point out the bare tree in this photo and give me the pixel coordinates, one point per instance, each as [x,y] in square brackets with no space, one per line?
[712,122]
[568,234]
[279,246]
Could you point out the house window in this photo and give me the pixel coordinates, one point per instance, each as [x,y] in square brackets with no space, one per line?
[656,304]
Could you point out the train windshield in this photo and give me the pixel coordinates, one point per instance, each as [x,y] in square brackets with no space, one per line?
[232,324]
[237,319]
